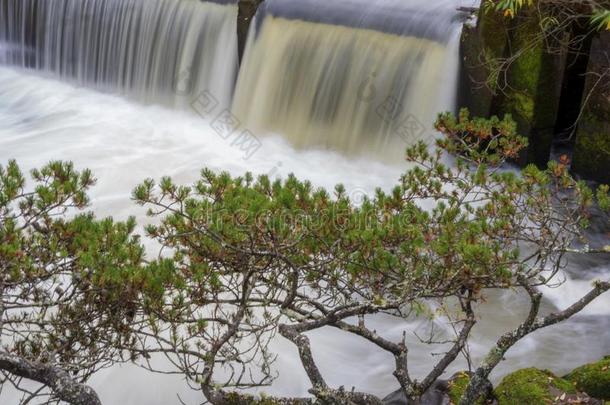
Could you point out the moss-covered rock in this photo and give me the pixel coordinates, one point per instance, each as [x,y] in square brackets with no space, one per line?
[592,150]
[473,73]
[534,86]
[593,378]
[531,386]
[530,84]
[457,385]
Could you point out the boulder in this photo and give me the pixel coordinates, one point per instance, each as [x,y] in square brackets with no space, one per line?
[593,378]
[539,387]
[442,392]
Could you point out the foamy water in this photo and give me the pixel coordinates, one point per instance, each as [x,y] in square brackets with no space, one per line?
[124,142]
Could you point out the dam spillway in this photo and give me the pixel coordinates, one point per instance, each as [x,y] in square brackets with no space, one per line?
[139,48]
[361,78]
[367,81]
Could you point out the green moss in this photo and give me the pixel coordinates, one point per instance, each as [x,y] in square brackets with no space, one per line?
[493,29]
[526,70]
[593,378]
[521,105]
[530,386]
[457,387]
[531,77]
[592,150]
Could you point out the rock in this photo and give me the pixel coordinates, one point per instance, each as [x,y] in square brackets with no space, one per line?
[473,93]
[532,386]
[436,395]
[442,392]
[245,13]
[593,378]
[533,85]
[592,150]
[457,387]
[480,46]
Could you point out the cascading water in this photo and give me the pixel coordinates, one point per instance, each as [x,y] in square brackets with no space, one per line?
[157,51]
[358,77]
[123,143]
[325,80]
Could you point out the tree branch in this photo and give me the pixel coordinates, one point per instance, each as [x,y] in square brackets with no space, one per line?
[451,355]
[302,343]
[531,324]
[59,381]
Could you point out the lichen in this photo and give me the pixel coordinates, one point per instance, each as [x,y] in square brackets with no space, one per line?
[593,378]
[531,386]
[234,398]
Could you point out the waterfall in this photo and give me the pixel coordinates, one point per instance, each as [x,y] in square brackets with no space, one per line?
[363,77]
[350,76]
[156,51]
[358,77]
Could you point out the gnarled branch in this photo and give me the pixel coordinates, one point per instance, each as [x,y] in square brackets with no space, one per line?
[58,380]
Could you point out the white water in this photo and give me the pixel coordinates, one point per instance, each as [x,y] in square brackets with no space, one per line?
[161,51]
[123,142]
[361,78]
[330,79]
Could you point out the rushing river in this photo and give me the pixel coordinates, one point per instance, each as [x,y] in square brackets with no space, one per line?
[124,142]
[131,89]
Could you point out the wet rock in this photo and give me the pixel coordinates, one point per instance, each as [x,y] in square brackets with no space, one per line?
[480,45]
[474,92]
[245,14]
[529,90]
[436,395]
[592,150]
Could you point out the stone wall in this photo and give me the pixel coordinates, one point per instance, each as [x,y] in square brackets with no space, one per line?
[246,11]
[529,89]
[592,150]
